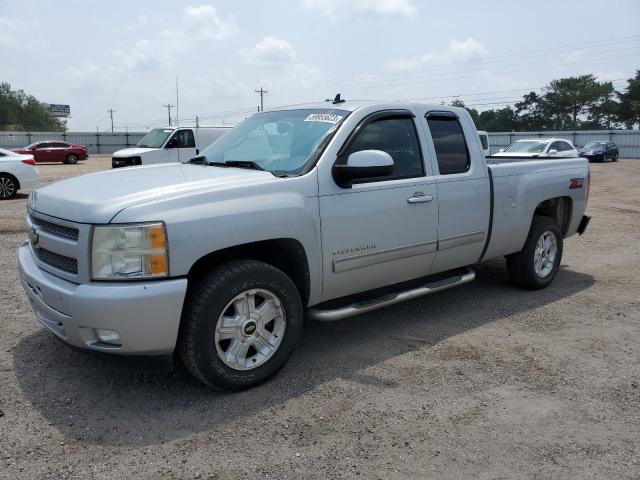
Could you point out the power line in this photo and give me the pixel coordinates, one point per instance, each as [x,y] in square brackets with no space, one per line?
[111,112]
[168,106]
[261,92]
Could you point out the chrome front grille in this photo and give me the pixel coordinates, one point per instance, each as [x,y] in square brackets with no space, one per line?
[55,229]
[56,260]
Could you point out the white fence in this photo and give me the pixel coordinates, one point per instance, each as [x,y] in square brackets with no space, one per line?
[628,141]
[96,142]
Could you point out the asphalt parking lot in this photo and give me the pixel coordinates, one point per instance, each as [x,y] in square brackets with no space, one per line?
[484,381]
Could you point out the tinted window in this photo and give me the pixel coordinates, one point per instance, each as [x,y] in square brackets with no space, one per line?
[564,147]
[397,137]
[450,145]
[58,145]
[186,139]
[485,142]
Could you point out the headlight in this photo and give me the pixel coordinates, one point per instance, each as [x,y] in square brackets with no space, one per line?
[129,252]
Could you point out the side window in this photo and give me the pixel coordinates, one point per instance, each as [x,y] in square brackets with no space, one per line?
[485,141]
[564,147]
[58,145]
[451,147]
[397,137]
[185,139]
[555,146]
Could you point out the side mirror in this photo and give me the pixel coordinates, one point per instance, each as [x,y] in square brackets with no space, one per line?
[363,164]
[552,151]
[501,150]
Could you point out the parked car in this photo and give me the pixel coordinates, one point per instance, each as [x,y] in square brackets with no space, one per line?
[168,145]
[54,151]
[484,139]
[599,151]
[539,147]
[17,172]
[220,260]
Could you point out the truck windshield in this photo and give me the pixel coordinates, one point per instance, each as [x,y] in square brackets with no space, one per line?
[527,146]
[155,138]
[278,142]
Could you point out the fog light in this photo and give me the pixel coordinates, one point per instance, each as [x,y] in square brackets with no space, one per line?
[108,336]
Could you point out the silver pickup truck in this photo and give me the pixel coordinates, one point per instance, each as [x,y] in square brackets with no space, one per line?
[322,211]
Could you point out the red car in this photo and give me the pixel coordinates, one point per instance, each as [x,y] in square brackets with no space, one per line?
[54,151]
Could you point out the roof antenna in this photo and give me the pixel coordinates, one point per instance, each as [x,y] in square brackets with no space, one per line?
[337,100]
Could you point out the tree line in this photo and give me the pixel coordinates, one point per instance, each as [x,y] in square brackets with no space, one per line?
[573,103]
[22,112]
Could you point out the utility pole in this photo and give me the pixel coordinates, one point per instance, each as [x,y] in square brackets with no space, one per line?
[111,111]
[261,92]
[168,106]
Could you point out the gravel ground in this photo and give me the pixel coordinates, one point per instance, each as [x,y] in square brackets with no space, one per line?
[484,381]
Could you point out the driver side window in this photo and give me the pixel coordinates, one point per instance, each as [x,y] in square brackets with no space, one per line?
[397,137]
[184,139]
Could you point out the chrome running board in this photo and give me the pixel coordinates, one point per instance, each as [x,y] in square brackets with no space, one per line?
[322,315]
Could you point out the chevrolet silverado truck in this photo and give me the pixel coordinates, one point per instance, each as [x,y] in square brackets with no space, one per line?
[320,212]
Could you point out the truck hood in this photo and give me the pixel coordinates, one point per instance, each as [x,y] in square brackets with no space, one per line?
[98,197]
[133,152]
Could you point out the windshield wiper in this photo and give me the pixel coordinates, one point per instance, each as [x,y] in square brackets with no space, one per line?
[238,163]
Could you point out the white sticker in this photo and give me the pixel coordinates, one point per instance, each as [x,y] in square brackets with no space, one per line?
[323,117]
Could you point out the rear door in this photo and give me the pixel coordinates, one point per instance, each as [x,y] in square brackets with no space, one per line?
[384,230]
[463,190]
[58,151]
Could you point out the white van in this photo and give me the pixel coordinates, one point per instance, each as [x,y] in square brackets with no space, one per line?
[484,139]
[168,145]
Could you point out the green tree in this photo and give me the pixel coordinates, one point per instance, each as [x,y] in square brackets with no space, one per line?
[569,99]
[21,112]
[629,107]
[532,112]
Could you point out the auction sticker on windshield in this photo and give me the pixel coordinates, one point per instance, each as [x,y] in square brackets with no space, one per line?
[324,117]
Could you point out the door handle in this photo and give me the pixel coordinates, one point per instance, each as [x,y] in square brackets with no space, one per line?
[419,197]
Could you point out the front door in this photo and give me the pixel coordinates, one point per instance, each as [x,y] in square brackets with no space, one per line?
[384,230]
[184,146]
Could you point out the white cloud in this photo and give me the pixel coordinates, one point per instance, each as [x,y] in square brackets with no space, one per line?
[469,49]
[364,8]
[205,23]
[457,51]
[18,32]
[269,51]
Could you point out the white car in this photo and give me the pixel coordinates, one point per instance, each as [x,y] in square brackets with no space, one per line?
[540,147]
[17,172]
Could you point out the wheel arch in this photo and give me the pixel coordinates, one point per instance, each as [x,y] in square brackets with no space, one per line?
[285,254]
[558,208]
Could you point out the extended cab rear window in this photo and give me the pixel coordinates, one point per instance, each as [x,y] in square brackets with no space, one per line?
[450,145]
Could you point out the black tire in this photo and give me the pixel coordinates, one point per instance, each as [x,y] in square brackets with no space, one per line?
[521,265]
[206,302]
[8,186]
[615,158]
[71,159]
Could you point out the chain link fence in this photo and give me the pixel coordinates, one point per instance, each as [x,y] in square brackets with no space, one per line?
[96,142]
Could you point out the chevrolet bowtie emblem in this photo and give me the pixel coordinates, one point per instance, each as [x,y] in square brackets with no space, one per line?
[34,238]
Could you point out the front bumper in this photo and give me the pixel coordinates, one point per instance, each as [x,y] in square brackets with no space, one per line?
[145,315]
[117,162]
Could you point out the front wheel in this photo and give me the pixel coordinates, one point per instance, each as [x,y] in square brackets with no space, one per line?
[241,322]
[72,159]
[615,158]
[536,265]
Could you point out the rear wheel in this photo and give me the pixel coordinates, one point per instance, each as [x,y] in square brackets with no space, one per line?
[536,265]
[71,159]
[8,186]
[615,158]
[240,325]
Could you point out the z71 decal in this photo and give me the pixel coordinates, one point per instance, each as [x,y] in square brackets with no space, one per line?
[576,183]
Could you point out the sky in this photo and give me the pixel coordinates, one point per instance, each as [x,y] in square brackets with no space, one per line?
[126,55]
